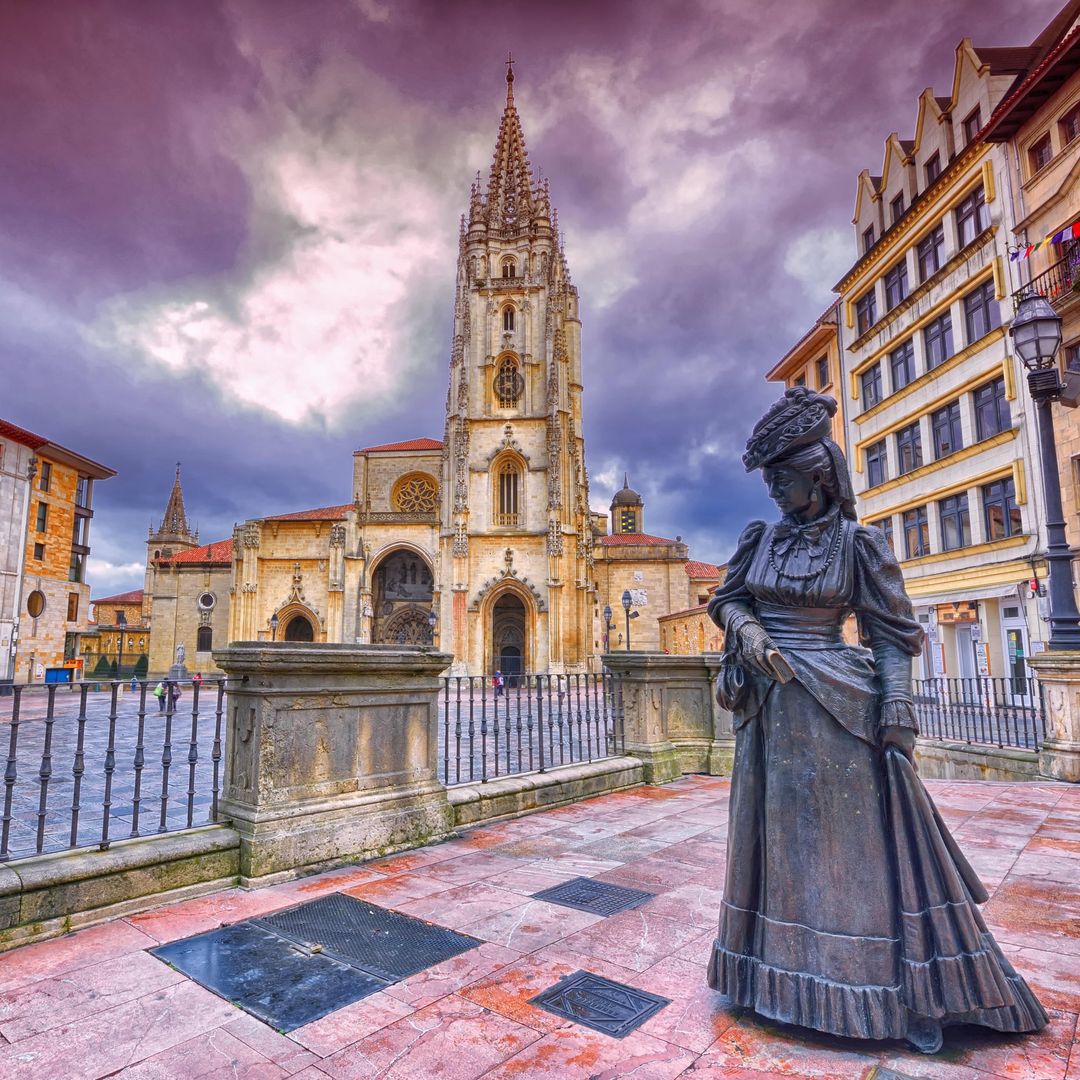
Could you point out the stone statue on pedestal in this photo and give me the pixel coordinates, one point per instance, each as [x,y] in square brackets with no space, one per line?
[179,669]
[848,906]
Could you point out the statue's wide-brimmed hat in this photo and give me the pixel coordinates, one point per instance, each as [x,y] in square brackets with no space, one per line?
[799,418]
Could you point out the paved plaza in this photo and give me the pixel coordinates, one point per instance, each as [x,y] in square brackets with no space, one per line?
[96,1003]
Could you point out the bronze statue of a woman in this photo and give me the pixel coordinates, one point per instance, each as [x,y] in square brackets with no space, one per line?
[847,905]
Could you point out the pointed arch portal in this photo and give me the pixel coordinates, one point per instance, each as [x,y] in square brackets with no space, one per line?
[508,630]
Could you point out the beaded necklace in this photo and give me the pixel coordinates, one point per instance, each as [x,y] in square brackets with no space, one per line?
[834,547]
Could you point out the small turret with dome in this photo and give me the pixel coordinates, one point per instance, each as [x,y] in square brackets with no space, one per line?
[627,510]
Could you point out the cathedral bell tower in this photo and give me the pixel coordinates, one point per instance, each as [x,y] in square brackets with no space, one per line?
[516,532]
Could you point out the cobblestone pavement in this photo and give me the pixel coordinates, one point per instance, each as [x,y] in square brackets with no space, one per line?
[96,1003]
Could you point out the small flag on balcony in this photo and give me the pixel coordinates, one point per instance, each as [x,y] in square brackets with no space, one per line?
[1070,232]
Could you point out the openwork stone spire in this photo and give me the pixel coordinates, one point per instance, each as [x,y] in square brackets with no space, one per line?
[509,192]
[175,522]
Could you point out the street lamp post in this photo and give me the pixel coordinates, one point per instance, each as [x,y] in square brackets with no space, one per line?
[273,626]
[608,626]
[1036,334]
[627,603]
[121,621]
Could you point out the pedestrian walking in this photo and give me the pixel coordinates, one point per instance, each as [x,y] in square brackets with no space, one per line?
[134,684]
[174,694]
[497,682]
[159,693]
[560,688]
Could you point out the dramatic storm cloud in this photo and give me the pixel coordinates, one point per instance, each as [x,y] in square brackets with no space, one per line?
[228,229]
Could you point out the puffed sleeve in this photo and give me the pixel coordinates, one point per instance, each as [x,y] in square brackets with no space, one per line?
[886,622]
[732,596]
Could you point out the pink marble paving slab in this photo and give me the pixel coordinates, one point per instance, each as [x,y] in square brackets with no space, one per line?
[273,1045]
[465,869]
[1047,867]
[535,847]
[465,904]
[527,879]
[308,888]
[412,860]
[697,1015]
[754,1044]
[1037,913]
[1043,1055]
[454,1039]
[671,829]
[193,917]
[212,1054]
[632,939]
[693,902]
[530,926]
[576,1053]
[350,1024]
[575,865]
[698,852]
[1062,848]
[112,1040]
[80,949]
[1054,976]
[699,949]
[584,832]
[63,999]
[391,891]
[657,873]
[444,978]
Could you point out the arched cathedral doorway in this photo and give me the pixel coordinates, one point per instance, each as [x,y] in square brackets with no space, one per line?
[401,600]
[508,636]
[299,628]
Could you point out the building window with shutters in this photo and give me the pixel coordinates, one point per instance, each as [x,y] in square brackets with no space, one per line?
[937,338]
[955,522]
[930,253]
[908,449]
[971,217]
[992,414]
[916,533]
[508,383]
[508,318]
[877,464]
[885,525]
[870,381]
[902,364]
[982,312]
[896,285]
[204,639]
[945,424]
[1000,512]
[866,311]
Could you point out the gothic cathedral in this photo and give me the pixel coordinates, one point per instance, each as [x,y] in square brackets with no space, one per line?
[482,544]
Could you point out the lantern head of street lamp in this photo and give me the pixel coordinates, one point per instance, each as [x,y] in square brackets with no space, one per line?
[1036,332]
[432,619]
[273,624]
[607,615]
[627,600]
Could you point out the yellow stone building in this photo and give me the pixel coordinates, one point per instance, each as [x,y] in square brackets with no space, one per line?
[1039,125]
[814,361]
[117,620]
[938,424]
[46,499]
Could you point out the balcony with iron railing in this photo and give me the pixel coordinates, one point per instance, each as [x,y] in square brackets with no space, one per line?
[1059,282]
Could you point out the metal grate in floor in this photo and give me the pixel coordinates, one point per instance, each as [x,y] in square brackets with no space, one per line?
[600,1003]
[386,944]
[596,897]
[269,977]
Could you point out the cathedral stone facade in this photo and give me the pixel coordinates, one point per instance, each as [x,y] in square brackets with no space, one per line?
[481,543]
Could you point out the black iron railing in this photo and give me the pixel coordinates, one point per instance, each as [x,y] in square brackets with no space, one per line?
[84,769]
[529,724]
[989,711]
[1058,280]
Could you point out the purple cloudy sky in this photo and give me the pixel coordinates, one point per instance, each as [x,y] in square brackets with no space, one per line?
[228,227]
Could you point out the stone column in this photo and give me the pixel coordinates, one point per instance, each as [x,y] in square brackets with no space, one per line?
[1059,676]
[332,753]
[673,723]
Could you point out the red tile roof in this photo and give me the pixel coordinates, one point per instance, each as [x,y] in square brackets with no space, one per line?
[697,569]
[21,435]
[409,444]
[685,611]
[322,513]
[219,553]
[620,539]
[133,597]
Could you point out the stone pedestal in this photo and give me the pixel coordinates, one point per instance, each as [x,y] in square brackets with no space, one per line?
[332,753]
[673,723]
[179,673]
[1059,676]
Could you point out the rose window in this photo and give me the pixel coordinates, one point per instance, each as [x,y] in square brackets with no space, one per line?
[416,495]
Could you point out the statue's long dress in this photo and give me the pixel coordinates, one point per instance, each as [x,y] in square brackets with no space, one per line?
[847,906]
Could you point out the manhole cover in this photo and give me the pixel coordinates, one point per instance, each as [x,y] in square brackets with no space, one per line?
[599,1003]
[386,944]
[596,897]
[267,975]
